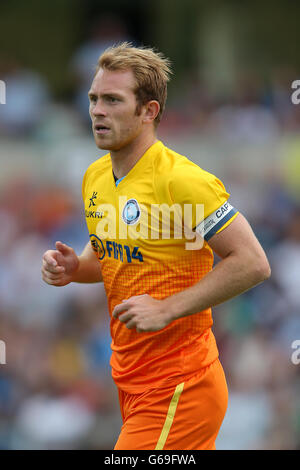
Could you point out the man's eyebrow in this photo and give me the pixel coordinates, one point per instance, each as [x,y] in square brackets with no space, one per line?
[109,93]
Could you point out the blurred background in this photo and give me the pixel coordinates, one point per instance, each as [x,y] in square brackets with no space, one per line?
[229,110]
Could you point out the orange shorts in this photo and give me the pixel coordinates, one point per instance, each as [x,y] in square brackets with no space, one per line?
[185,417]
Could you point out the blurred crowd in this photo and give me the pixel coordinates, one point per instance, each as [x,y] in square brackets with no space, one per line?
[55,388]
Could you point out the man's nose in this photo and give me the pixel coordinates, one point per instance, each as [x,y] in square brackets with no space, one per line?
[98,109]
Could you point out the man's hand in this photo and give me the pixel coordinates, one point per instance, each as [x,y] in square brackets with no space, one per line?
[59,265]
[143,313]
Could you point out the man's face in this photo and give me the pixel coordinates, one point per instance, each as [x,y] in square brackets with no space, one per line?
[113,109]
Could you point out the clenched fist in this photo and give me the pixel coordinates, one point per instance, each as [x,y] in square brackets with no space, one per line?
[59,265]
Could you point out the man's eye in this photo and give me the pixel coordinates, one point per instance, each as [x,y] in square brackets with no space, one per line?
[112,99]
[93,98]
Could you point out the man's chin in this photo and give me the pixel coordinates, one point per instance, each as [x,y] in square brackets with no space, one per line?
[103,144]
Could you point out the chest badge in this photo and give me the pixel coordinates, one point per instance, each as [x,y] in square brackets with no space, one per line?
[131,212]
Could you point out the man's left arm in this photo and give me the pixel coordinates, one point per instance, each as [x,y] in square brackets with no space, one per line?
[243,265]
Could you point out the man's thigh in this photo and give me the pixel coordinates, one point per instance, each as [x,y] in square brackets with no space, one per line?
[185,417]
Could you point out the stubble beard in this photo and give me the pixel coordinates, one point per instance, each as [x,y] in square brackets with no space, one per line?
[117,144]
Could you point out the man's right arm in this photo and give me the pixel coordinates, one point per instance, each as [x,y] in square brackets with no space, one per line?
[89,269]
[62,266]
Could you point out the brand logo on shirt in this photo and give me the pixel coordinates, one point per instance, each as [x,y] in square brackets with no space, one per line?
[131,212]
[94,196]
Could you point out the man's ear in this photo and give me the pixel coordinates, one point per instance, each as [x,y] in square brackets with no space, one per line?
[152,109]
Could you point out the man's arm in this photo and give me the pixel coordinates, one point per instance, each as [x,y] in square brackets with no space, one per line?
[243,265]
[62,266]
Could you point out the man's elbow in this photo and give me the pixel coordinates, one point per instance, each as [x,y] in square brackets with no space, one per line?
[262,269]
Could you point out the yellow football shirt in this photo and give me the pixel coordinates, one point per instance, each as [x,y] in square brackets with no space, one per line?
[143,232]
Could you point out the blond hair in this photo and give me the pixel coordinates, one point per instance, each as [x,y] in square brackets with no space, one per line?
[150,69]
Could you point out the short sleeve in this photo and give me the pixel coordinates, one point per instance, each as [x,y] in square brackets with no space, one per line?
[204,197]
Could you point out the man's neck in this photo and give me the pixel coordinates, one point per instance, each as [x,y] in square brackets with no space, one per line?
[123,160]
